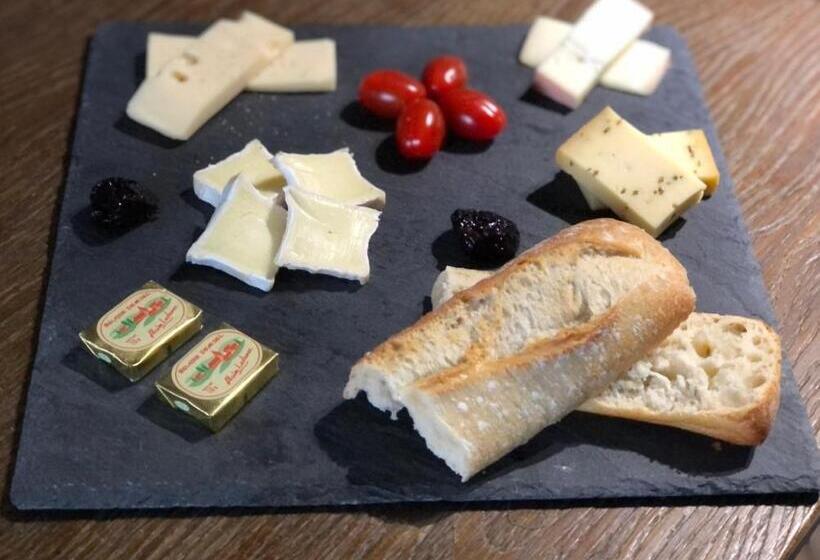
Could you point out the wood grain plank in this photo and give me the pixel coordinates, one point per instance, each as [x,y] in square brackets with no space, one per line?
[757,61]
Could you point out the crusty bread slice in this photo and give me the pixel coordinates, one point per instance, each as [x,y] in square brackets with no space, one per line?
[717,375]
[494,365]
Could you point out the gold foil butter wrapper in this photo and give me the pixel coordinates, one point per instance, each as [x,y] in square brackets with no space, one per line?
[214,380]
[142,330]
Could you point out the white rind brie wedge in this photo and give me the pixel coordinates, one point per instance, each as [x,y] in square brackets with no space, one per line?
[243,235]
[325,237]
[253,160]
[333,176]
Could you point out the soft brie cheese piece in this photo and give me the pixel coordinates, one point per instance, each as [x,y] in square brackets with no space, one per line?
[333,176]
[305,66]
[452,280]
[325,237]
[211,70]
[601,34]
[624,169]
[691,149]
[639,69]
[254,161]
[243,235]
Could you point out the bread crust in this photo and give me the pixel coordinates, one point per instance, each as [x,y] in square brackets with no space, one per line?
[564,369]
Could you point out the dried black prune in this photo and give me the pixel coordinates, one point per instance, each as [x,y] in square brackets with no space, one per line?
[119,203]
[486,236]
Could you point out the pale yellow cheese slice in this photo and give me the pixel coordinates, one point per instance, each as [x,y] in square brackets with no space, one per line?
[193,86]
[304,66]
[620,166]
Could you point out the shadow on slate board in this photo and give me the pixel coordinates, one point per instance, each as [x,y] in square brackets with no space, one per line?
[89,442]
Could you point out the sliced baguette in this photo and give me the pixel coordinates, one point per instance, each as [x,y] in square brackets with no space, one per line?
[717,375]
[494,365]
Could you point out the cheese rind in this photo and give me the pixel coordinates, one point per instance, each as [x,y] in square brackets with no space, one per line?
[333,176]
[690,148]
[639,70]
[602,33]
[324,237]
[243,235]
[624,169]
[254,161]
[192,87]
[305,66]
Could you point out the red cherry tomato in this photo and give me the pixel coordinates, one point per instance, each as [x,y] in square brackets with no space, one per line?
[444,73]
[420,130]
[472,115]
[386,92]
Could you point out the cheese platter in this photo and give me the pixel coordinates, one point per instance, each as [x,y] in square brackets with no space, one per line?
[311,238]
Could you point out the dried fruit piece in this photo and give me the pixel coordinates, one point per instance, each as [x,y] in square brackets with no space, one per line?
[486,236]
[118,203]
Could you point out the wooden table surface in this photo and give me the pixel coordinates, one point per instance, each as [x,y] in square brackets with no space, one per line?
[759,64]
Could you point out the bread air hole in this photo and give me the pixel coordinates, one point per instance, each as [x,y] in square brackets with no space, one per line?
[736,328]
[179,76]
[755,358]
[756,381]
[702,347]
[756,341]
[189,58]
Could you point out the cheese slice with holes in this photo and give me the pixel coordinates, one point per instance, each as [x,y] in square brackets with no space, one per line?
[333,176]
[325,237]
[690,148]
[601,34]
[624,169]
[214,68]
[638,70]
[254,161]
[305,66]
[243,235]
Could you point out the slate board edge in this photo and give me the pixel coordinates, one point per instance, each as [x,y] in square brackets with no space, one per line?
[63,217]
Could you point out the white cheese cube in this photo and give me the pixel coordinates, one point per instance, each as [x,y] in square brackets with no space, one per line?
[602,33]
[333,176]
[213,69]
[243,235]
[325,237]
[254,161]
[624,169]
[544,36]
[690,148]
[305,66]
[639,69]
[453,280]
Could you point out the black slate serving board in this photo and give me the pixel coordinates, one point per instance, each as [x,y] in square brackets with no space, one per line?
[90,440]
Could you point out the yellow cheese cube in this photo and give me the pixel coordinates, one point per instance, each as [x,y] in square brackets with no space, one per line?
[691,149]
[624,169]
